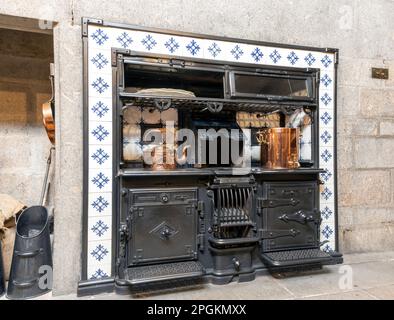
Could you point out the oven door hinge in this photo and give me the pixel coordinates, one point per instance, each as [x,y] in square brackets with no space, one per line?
[277,233]
[124,236]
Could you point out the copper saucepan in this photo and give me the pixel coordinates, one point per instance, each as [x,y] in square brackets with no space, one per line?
[279,147]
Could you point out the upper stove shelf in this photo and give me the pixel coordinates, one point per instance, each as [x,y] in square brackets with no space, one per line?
[213,105]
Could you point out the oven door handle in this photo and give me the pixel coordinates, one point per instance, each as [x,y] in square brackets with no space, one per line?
[300,216]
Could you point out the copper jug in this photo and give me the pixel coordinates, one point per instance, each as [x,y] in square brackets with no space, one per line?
[279,147]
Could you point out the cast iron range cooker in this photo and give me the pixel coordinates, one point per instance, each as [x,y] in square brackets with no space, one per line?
[204,223]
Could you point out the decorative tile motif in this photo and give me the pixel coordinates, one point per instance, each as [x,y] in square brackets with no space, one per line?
[99,61]
[100,85]
[100,109]
[293,58]
[99,204]
[257,54]
[100,156]
[100,180]
[100,133]
[326,155]
[148,42]
[326,212]
[326,99]
[214,49]
[326,61]
[275,56]
[193,47]
[98,274]
[327,232]
[99,252]
[326,118]
[325,137]
[326,80]
[326,175]
[99,36]
[100,228]
[237,52]
[172,45]
[309,59]
[327,248]
[124,40]
[326,193]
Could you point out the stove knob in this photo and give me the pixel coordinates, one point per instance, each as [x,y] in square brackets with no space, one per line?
[164,198]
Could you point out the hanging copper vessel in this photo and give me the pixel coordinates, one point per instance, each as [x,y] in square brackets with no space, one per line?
[279,147]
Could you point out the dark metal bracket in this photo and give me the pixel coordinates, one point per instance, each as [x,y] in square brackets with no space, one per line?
[85,23]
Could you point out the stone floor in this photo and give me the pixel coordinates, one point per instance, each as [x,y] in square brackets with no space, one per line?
[372,278]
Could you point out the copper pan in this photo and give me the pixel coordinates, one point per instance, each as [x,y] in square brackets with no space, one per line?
[279,147]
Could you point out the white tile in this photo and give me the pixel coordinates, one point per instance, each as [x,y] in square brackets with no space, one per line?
[99,37]
[100,204]
[123,38]
[326,98]
[192,47]
[327,232]
[326,137]
[100,84]
[98,271]
[100,109]
[215,50]
[100,132]
[100,180]
[329,246]
[100,156]
[328,175]
[327,211]
[99,61]
[326,157]
[99,252]
[100,228]
[171,45]
[327,193]
[326,118]
[326,61]
[327,81]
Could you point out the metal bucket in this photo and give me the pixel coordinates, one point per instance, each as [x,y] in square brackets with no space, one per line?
[2,282]
[279,147]
[31,267]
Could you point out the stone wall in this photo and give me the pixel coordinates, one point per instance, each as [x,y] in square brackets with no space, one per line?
[24,86]
[362,30]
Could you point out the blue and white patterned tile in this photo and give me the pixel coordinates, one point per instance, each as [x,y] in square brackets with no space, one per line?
[215,50]
[327,193]
[192,47]
[99,228]
[326,137]
[100,85]
[123,38]
[100,61]
[327,176]
[276,56]
[310,59]
[326,155]
[326,118]
[329,246]
[100,180]
[326,61]
[99,252]
[100,204]
[172,45]
[100,132]
[98,271]
[327,232]
[100,156]
[100,109]
[327,81]
[326,99]
[99,37]
[327,212]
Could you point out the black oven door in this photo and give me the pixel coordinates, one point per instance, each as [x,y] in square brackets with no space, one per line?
[163,225]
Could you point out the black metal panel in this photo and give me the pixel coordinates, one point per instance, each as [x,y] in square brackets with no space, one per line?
[291,215]
[163,224]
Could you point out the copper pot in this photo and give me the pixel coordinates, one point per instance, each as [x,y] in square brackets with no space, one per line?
[279,147]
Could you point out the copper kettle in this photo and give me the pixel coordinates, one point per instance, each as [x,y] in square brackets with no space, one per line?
[279,147]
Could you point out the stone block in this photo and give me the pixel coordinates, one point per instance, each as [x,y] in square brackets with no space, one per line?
[351,126]
[348,101]
[345,152]
[364,188]
[373,152]
[386,128]
[376,103]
